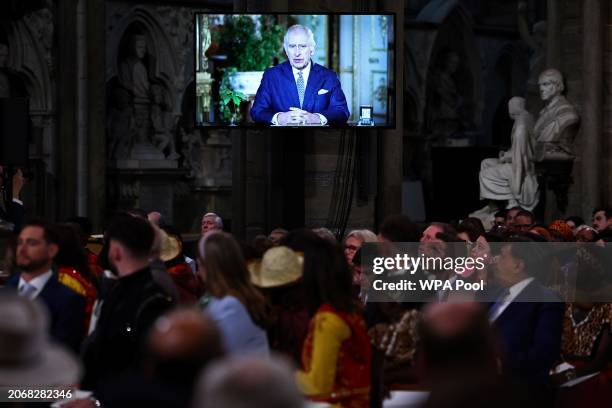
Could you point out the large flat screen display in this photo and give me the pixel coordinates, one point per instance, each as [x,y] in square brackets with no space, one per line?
[295,70]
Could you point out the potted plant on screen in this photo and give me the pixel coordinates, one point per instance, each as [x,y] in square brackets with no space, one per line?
[251,44]
[230,99]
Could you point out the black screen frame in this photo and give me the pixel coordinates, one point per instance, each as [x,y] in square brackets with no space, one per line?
[391,125]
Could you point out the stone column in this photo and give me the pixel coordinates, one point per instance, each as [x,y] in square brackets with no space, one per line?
[96,107]
[390,174]
[592,118]
[553,34]
[66,112]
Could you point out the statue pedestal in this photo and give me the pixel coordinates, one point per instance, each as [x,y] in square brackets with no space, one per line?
[152,189]
[145,156]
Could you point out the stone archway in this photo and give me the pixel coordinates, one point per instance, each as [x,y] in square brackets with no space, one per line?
[454,60]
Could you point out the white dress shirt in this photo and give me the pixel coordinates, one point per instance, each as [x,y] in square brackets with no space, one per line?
[514,290]
[38,282]
[305,75]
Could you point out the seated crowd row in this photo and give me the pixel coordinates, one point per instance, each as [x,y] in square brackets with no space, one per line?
[140,323]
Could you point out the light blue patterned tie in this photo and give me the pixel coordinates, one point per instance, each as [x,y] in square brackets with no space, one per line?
[27,290]
[300,88]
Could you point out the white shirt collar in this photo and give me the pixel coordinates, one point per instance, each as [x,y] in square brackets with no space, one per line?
[514,290]
[305,72]
[38,282]
[517,288]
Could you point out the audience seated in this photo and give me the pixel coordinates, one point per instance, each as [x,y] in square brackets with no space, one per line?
[187,283]
[27,358]
[279,277]
[602,218]
[73,269]
[132,305]
[459,360]
[247,382]
[336,354]
[586,346]
[235,305]
[180,344]
[37,248]
[527,317]
[301,294]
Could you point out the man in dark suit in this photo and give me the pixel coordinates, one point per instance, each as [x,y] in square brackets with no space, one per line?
[298,91]
[130,308]
[528,317]
[36,248]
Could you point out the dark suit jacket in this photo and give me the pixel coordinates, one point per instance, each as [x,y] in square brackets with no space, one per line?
[278,92]
[530,333]
[66,311]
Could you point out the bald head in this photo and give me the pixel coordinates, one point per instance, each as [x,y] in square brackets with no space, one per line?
[185,339]
[516,106]
[456,338]
[450,319]
[244,382]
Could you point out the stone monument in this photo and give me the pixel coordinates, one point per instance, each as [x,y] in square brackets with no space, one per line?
[557,125]
[512,176]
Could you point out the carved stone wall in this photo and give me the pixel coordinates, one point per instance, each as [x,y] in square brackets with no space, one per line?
[32,63]
[204,156]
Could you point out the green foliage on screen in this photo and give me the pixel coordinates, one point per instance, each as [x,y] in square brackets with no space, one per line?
[230,100]
[247,48]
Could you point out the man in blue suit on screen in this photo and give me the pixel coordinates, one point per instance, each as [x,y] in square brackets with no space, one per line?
[298,91]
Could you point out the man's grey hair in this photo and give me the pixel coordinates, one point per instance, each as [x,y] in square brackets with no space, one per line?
[296,27]
[218,220]
[364,235]
[248,381]
[326,234]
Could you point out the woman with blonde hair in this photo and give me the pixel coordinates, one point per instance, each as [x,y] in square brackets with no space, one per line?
[236,306]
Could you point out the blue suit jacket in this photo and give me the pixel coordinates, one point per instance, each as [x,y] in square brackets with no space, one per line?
[278,92]
[530,333]
[66,311]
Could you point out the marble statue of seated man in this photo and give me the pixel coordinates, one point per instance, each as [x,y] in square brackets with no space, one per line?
[511,177]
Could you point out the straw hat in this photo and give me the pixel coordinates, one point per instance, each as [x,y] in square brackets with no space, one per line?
[171,246]
[27,358]
[279,266]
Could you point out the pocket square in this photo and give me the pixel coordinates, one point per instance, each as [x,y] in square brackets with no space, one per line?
[322,92]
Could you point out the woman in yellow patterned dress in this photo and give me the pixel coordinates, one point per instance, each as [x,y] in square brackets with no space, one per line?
[336,355]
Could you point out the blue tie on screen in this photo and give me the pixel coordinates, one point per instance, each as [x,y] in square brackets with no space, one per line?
[300,88]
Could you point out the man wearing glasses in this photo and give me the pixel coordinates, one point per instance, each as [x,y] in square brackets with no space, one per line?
[298,91]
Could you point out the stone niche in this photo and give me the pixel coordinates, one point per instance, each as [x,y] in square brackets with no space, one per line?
[156,158]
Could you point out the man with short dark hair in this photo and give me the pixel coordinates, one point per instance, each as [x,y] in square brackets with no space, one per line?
[602,218]
[523,221]
[527,315]
[500,217]
[37,246]
[130,307]
[510,216]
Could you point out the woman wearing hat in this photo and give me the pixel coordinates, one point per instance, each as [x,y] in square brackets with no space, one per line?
[236,306]
[278,276]
[336,356]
